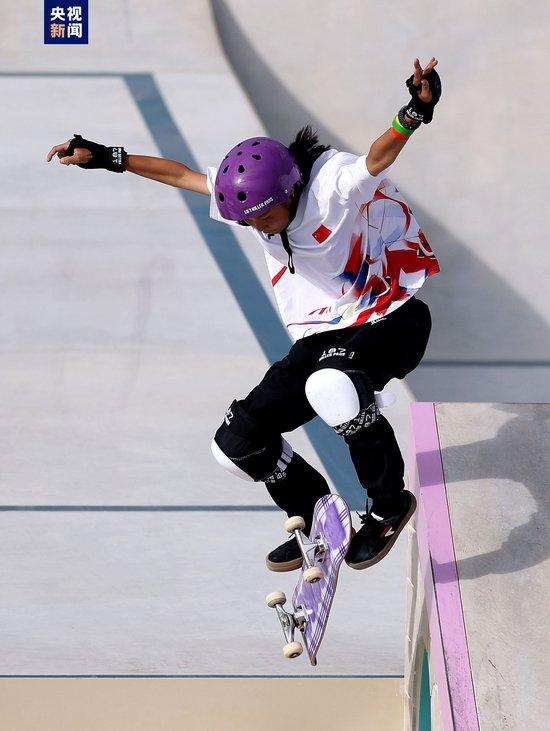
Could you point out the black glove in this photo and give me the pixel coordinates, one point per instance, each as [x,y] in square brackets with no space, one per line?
[106,158]
[420,111]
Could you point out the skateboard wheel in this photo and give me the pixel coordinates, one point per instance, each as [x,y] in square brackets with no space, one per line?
[294,523]
[313,575]
[293,649]
[276,597]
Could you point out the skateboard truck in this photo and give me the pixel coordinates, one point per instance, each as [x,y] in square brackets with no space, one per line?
[290,622]
[311,549]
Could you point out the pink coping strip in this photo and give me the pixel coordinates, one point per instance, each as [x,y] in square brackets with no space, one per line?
[449,646]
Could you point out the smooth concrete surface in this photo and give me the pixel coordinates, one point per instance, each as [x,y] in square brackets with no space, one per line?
[497,475]
[124,36]
[122,343]
[475,177]
[175,593]
[201,705]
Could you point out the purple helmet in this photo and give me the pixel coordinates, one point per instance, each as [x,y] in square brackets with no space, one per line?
[256,175]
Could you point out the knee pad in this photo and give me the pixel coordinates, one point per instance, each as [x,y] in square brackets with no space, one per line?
[333,396]
[242,447]
[344,400]
[223,460]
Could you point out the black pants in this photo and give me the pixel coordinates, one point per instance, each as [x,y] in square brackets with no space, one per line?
[389,348]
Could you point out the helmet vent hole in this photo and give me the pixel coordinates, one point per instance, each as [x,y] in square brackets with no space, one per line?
[257,157]
[221,197]
[255,143]
[226,168]
[241,168]
[241,195]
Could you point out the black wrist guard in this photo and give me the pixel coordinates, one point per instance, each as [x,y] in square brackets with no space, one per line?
[105,158]
[418,110]
[414,124]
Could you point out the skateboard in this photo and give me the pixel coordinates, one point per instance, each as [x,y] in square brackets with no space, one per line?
[323,552]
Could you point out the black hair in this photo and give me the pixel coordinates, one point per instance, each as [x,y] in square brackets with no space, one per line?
[306,149]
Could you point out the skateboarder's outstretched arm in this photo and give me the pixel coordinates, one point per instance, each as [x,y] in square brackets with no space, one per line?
[87,154]
[425,89]
[167,171]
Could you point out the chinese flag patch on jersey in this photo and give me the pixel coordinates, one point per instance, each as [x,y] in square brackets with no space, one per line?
[322,234]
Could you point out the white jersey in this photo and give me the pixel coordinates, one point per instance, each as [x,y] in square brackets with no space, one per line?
[357,249]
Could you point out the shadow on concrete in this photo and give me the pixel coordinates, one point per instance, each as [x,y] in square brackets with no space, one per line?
[513,460]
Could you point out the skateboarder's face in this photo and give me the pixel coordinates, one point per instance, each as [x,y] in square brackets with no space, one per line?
[274,221]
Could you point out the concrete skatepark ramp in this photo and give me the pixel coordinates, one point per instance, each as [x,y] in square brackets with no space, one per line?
[477,651]
[111,360]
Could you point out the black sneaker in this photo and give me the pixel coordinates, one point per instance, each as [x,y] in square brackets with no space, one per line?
[285,557]
[378,534]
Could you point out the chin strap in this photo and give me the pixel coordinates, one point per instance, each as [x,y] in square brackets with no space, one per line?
[284,236]
[286,246]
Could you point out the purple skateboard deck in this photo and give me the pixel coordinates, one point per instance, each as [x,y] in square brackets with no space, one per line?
[331,522]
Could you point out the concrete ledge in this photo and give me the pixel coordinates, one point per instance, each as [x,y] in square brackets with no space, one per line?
[478,567]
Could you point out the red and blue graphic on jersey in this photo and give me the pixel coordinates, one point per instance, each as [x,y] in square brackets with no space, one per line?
[389,260]
[403,264]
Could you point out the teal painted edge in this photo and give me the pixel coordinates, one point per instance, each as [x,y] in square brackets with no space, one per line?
[425,712]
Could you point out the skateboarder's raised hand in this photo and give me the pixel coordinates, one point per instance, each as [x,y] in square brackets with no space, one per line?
[424,86]
[419,75]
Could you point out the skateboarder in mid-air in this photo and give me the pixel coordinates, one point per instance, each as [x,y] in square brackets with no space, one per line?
[346,257]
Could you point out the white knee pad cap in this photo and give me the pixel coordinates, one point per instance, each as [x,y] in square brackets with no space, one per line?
[223,460]
[333,396]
